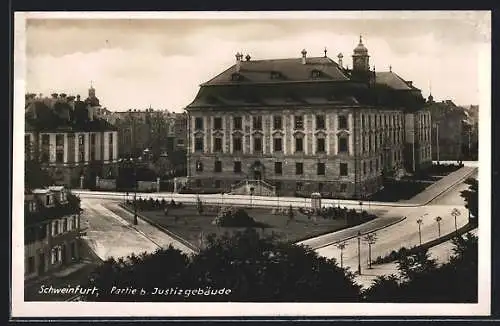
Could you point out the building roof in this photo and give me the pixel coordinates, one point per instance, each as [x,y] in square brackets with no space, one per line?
[393,80]
[290,82]
[262,71]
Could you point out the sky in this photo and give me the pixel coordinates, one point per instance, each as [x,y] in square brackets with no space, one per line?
[143,61]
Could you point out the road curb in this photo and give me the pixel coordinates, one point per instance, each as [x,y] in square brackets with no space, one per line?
[355,236]
[161,228]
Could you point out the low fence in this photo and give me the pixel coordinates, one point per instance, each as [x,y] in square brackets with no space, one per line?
[148,186]
[105,184]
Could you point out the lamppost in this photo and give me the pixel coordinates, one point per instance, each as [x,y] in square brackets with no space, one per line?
[341,246]
[370,238]
[420,222]
[135,190]
[455,213]
[359,252]
[438,220]
[251,197]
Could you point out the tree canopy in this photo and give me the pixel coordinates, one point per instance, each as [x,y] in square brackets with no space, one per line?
[471,196]
[253,267]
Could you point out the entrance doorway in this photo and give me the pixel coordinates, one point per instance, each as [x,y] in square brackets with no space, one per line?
[257,171]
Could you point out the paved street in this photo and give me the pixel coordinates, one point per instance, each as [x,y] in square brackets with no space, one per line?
[111,232]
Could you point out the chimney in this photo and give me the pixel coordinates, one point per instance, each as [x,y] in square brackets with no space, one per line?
[248,57]
[340,56]
[410,83]
[304,53]
[238,61]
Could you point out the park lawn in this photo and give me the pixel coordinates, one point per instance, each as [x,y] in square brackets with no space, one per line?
[190,225]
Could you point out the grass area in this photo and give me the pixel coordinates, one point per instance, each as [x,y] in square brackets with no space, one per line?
[400,190]
[188,224]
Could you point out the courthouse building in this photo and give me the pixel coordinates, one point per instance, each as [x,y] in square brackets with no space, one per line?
[306,124]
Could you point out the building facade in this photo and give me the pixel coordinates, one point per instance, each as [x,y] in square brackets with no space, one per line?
[52,231]
[156,130]
[306,125]
[70,142]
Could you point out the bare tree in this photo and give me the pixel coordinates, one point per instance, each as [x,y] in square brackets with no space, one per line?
[341,246]
[370,238]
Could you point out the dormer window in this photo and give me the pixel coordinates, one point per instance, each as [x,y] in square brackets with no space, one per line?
[315,74]
[48,200]
[32,206]
[235,76]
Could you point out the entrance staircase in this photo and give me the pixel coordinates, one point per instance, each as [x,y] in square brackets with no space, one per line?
[253,187]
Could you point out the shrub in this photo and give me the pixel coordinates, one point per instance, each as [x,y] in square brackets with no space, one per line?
[234,217]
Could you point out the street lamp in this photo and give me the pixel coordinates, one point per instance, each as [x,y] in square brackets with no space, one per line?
[455,213]
[251,197]
[370,238]
[135,190]
[420,222]
[359,252]
[438,220]
[341,246]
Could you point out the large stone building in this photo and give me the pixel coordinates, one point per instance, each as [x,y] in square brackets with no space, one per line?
[160,131]
[69,141]
[455,132]
[306,124]
[51,231]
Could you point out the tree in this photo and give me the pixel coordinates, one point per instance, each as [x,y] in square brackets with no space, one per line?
[253,268]
[35,176]
[471,196]
[422,280]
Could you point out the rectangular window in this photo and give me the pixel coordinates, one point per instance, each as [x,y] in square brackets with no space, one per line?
[217,184]
[198,123]
[237,123]
[321,169]
[92,139]
[277,145]
[197,183]
[364,167]
[55,228]
[81,140]
[371,166]
[299,122]
[277,122]
[343,148]
[320,122]
[342,122]
[370,121]
[320,145]
[299,145]
[343,187]
[237,167]
[362,121]
[278,168]
[299,186]
[237,144]
[218,166]
[65,225]
[217,144]
[257,145]
[343,169]
[376,165]
[320,187]
[198,144]
[369,143]
[257,123]
[199,166]
[218,123]
[299,168]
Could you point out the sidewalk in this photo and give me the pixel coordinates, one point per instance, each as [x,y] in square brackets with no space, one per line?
[441,186]
[421,199]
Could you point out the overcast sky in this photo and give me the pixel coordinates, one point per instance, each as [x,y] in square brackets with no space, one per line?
[135,63]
